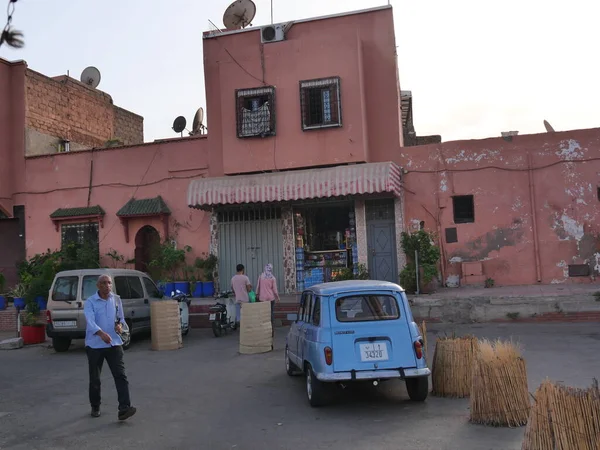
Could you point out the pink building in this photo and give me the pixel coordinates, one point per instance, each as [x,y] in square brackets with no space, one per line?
[309,165]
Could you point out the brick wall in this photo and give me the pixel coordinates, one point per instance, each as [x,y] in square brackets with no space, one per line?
[128,127]
[8,320]
[67,109]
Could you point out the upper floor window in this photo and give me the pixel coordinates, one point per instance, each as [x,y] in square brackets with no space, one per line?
[255,112]
[320,103]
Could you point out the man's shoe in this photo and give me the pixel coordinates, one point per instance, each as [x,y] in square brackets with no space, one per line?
[95,412]
[127,413]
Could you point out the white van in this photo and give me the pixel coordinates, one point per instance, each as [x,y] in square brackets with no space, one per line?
[70,289]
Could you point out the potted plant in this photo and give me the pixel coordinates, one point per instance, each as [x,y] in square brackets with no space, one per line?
[2,297]
[32,330]
[169,260]
[18,294]
[210,266]
[422,244]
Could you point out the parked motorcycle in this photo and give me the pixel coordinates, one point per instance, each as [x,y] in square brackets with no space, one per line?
[222,314]
[184,310]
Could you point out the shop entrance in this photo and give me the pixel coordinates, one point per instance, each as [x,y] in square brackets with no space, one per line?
[381,240]
[325,242]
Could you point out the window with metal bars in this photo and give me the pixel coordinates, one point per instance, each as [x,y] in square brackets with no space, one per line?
[255,111]
[320,103]
[79,233]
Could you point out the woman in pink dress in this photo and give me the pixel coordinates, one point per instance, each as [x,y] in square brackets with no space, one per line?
[266,290]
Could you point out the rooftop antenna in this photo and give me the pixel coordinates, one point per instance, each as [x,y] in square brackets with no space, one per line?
[548,127]
[239,14]
[90,77]
[179,125]
[198,124]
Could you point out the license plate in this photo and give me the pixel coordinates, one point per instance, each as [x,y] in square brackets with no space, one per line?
[65,323]
[212,317]
[373,352]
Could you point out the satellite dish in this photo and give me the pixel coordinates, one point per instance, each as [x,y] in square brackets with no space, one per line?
[179,124]
[549,128]
[198,123]
[239,14]
[91,77]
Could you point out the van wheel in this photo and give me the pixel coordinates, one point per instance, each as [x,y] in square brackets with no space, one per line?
[61,344]
[316,391]
[290,367]
[417,388]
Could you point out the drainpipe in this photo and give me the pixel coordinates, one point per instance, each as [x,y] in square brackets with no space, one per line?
[536,245]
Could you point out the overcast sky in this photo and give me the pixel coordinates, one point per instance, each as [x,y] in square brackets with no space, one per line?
[475,68]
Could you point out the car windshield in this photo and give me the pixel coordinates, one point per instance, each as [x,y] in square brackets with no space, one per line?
[65,289]
[88,287]
[363,308]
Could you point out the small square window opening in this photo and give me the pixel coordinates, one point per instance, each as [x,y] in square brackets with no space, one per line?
[320,103]
[255,111]
[464,209]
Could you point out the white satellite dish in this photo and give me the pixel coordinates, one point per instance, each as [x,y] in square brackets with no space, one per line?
[90,77]
[239,14]
[198,123]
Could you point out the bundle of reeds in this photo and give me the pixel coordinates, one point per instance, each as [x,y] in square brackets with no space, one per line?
[452,366]
[564,418]
[499,394]
[423,331]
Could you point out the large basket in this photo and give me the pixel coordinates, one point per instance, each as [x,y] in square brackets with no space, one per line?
[165,325]
[452,366]
[499,394]
[564,418]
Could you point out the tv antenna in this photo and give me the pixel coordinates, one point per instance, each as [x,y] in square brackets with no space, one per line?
[198,124]
[239,14]
[90,77]
[179,125]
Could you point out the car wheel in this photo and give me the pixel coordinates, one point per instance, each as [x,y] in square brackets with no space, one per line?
[61,344]
[417,388]
[316,391]
[290,367]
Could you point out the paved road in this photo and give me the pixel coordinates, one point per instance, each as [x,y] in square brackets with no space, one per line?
[207,396]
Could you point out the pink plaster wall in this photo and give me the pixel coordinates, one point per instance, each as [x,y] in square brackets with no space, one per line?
[567,209]
[12,125]
[359,48]
[143,171]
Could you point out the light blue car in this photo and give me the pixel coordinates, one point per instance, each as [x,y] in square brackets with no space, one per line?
[355,331]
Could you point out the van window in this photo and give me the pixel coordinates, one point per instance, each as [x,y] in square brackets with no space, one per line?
[88,287]
[363,308]
[65,289]
[135,286]
[122,287]
[151,288]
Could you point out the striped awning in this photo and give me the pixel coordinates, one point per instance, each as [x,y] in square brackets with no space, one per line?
[371,178]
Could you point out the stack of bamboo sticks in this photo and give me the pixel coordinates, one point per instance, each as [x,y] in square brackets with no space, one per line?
[499,394]
[452,366]
[564,418]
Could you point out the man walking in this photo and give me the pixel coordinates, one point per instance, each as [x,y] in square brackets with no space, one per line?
[105,321]
[240,285]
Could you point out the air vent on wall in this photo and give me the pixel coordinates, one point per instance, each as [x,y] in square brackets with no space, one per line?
[272,33]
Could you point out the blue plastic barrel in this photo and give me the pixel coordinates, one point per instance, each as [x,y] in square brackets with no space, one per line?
[208,288]
[2,302]
[169,287]
[42,302]
[198,291]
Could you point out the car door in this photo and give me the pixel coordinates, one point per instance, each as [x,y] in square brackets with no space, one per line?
[133,307]
[310,329]
[305,325]
[295,329]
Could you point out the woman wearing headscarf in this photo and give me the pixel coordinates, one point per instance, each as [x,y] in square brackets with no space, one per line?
[266,289]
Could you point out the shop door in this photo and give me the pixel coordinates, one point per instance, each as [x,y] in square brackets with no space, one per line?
[381,240]
[252,238]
